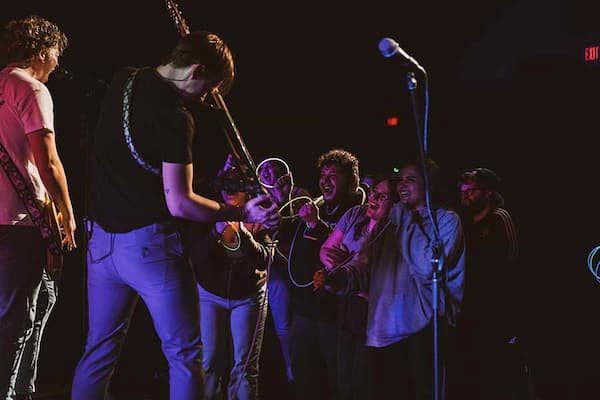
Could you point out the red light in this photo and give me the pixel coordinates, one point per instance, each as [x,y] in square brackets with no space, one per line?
[392,121]
[591,53]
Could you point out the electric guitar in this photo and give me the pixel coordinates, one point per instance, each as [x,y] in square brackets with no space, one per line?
[42,213]
[54,262]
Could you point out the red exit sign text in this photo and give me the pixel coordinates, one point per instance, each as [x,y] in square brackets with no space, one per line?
[591,53]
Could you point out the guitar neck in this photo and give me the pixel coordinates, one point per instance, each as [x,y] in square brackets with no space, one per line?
[177,17]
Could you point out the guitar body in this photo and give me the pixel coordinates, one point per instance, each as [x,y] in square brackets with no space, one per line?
[54,262]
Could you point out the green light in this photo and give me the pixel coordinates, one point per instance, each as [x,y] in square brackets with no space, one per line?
[396,170]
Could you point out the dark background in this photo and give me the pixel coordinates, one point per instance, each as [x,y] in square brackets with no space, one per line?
[509,90]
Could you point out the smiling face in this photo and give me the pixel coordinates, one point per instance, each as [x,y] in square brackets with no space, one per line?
[275,173]
[334,183]
[274,176]
[380,200]
[411,187]
[269,173]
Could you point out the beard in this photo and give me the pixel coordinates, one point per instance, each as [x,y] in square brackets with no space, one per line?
[475,207]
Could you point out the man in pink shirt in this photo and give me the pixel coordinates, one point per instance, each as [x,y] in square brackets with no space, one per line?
[30,48]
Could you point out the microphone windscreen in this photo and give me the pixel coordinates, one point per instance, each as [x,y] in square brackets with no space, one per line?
[388,47]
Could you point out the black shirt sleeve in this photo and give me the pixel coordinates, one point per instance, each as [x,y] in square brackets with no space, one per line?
[177,133]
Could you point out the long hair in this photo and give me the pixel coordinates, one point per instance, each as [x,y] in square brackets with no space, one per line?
[360,226]
[24,39]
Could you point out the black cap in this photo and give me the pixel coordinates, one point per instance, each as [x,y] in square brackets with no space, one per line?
[484,177]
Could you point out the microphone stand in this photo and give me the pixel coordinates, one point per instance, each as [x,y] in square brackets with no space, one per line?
[92,91]
[87,222]
[437,248]
[411,84]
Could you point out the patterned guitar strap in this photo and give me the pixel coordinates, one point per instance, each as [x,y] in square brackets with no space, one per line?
[126,111]
[29,201]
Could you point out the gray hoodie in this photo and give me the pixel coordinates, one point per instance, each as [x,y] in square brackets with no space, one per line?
[395,267]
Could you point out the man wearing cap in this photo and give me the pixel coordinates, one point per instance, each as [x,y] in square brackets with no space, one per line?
[490,297]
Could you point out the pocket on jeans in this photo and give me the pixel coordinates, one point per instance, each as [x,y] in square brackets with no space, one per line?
[163,247]
[99,246]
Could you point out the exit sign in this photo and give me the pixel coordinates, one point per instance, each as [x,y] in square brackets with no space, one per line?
[591,54]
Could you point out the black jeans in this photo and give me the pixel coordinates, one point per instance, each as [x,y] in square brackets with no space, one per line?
[354,358]
[22,257]
[404,370]
[313,345]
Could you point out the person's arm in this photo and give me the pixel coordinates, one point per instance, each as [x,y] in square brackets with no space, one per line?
[254,248]
[333,251]
[420,248]
[316,228]
[351,277]
[502,238]
[182,202]
[52,173]
[421,244]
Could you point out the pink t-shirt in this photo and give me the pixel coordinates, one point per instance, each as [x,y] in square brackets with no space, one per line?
[25,107]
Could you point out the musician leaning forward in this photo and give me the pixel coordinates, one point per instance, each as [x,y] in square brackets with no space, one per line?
[31,171]
[142,173]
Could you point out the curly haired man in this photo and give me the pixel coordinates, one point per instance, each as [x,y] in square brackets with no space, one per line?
[30,48]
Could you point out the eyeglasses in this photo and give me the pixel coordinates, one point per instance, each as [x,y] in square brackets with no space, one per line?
[379,196]
[470,191]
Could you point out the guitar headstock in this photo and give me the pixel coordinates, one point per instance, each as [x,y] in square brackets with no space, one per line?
[178,19]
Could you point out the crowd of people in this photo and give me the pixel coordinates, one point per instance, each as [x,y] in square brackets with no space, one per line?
[347,275]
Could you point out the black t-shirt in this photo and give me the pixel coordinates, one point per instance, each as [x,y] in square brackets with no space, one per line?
[305,260]
[125,196]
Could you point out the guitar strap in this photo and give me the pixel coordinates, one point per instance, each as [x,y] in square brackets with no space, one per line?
[126,111]
[31,204]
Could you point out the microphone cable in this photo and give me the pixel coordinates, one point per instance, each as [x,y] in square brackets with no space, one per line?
[289,259]
[273,248]
[590,262]
[272,245]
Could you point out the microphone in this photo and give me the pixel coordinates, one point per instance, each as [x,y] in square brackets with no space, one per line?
[62,74]
[390,48]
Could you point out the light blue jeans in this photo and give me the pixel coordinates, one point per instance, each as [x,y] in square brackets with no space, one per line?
[280,302]
[122,267]
[237,325]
